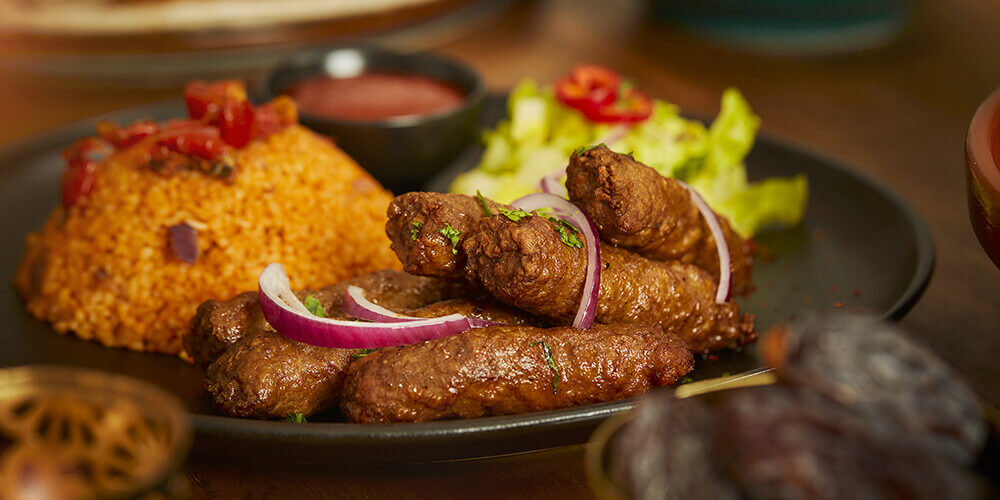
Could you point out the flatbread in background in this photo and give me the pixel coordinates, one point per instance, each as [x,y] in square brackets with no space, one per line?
[120,17]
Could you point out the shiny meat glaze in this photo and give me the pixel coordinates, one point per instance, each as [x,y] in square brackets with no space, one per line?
[265,375]
[484,308]
[636,208]
[217,325]
[423,250]
[504,370]
[526,265]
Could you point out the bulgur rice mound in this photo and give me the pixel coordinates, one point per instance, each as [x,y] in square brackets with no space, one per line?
[103,269]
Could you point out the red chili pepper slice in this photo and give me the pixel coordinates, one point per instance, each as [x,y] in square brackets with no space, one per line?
[237,123]
[76,152]
[204,142]
[588,86]
[633,107]
[597,92]
[123,137]
[223,104]
[81,171]
[203,98]
[276,115]
[77,182]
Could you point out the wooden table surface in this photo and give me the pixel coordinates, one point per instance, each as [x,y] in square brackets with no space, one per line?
[898,112]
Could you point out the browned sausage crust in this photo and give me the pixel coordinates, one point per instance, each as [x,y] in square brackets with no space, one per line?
[217,325]
[511,370]
[265,375]
[415,225]
[636,208]
[526,264]
[484,308]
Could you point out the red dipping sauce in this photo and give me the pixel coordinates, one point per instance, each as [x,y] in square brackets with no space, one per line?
[375,96]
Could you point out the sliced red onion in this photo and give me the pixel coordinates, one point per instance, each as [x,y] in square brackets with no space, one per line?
[551,184]
[286,314]
[567,211]
[183,240]
[357,305]
[725,274]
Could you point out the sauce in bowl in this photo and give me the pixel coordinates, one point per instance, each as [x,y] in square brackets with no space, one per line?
[375,96]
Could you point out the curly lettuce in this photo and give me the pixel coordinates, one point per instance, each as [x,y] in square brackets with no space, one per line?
[541,133]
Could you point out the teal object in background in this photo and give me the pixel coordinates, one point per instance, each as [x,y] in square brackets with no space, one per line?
[791,26]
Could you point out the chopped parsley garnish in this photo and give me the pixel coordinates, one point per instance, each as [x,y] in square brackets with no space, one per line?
[415,230]
[547,355]
[567,233]
[686,380]
[486,208]
[314,306]
[452,234]
[515,215]
[583,149]
[363,353]
[296,418]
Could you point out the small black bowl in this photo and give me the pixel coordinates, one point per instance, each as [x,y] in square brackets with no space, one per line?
[401,152]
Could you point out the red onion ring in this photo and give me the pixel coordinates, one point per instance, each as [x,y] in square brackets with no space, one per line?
[357,305]
[551,184]
[289,317]
[569,212]
[725,273]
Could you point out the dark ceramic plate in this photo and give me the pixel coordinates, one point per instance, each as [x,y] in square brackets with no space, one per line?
[860,248]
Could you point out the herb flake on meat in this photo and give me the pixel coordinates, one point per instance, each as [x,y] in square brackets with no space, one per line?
[415,230]
[567,233]
[583,149]
[314,306]
[515,215]
[547,355]
[452,234]
[296,418]
[482,200]
[362,353]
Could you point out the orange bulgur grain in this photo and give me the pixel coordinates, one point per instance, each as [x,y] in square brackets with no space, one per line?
[103,269]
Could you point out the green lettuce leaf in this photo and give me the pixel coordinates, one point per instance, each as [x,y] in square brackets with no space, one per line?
[777,201]
[541,133]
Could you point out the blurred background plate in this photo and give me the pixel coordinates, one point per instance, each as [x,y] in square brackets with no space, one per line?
[100,39]
[791,26]
[861,248]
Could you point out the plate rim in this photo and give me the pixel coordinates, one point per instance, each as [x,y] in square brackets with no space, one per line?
[329,433]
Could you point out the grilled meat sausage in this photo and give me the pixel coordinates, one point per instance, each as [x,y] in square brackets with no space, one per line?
[484,308]
[505,370]
[636,208]
[426,230]
[527,265]
[217,325]
[265,375]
